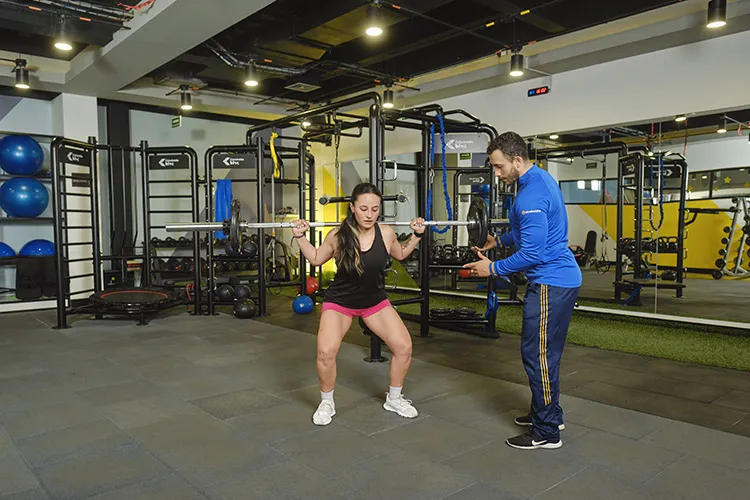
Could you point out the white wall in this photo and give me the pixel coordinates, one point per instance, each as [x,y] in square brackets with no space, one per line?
[697,78]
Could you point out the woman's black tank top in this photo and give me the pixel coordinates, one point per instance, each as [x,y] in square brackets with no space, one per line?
[361,292]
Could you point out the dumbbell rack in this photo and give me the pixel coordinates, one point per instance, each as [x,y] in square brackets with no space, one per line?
[734,268]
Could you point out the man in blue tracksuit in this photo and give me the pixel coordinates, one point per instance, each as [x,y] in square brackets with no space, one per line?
[539,233]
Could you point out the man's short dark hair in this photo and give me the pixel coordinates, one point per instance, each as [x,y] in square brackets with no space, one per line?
[510,144]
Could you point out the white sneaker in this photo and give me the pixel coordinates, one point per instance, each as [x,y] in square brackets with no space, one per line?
[400,405]
[326,410]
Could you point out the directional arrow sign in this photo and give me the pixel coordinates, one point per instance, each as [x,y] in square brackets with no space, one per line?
[233,160]
[74,156]
[474,179]
[176,161]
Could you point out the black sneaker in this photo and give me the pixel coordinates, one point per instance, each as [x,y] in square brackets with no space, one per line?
[528,441]
[525,421]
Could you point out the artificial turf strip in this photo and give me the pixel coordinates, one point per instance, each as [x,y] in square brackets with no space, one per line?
[677,343]
[622,334]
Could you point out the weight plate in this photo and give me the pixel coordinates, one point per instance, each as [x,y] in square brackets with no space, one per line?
[478,222]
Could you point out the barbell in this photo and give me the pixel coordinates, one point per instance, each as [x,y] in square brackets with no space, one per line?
[477,222]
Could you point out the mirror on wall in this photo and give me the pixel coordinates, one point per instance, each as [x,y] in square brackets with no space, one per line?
[691,206]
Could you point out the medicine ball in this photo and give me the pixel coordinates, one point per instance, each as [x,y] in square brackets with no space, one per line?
[245,309]
[242,292]
[225,293]
[302,305]
[20,155]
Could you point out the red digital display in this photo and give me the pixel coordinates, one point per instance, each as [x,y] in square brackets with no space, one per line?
[539,91]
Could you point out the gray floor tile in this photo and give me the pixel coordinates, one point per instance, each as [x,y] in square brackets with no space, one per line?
[190,387]
[279,423]
[739,400]
[121,392]
[86,380]
[333,448]
[435,438]
[289,480]
[35,494]
[235,404]
[147,411]
[36,399]
[620,421]
[482,491]
[170,487]
[100,436]
[598,483]
[523,473]
[635,460]
[742,427]
[18,368]
[15,476]
[28,423]
[403,475]
[369,417]
[616,395]
[209,463]
[467,409]
[181,430]
[709,415]
[93,474]
[695,478]
[694,391]
[715,446]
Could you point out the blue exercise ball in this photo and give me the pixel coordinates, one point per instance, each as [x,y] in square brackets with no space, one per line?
[20,155]
[37,248]
[23,197]
[302,304]
[6,251]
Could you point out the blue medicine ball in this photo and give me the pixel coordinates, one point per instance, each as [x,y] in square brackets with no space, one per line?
[302,304]
[6,251]
[480,189]
[20,155]
[37,248]
[23,197]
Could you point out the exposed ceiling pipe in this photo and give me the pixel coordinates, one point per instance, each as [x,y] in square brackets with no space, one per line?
[233,61]
[88,8]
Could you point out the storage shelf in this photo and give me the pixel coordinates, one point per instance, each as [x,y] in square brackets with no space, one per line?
[40,178]
[26,219]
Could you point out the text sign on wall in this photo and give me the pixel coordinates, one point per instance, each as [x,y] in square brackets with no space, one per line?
[462,143]
[75,156]
[474,179]
[168,162]
[233,160]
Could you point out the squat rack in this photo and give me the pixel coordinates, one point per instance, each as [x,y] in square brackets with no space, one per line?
[377,122]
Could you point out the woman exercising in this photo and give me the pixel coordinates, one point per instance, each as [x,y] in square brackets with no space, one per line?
[361,248]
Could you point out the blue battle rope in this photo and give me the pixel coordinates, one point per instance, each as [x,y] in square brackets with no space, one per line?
[445,177]
[661,192]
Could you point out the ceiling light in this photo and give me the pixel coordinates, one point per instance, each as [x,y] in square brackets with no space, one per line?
[554,137]
[305,123]
[22,74]
[388,99]
[722,128]
[651,153]
[717,14]
[680,118]
[62,41]
[186,100]
[516,65]
[373,20]
[251,80]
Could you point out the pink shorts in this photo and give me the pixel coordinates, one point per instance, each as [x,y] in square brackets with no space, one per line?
[356,312]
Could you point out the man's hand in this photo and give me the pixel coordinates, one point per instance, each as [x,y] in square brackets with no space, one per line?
[481,267]
[417,225]
[489,244]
